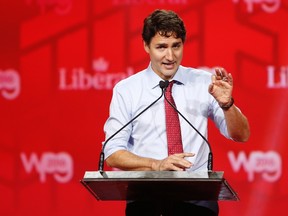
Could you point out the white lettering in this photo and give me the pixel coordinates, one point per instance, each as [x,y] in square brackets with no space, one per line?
[268,164]
[149,2]
[78,79]
[60,7]
[9,84]
[277,80]
[269,6]
[60,165]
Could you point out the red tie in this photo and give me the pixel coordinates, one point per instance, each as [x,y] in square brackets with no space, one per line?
[173,131]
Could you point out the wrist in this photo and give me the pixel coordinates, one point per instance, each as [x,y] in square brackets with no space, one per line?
[227,105]
[155,165]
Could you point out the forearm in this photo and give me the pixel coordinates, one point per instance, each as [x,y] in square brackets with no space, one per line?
[237,124]
[126,160]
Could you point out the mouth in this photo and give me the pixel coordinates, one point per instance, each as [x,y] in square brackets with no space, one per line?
[169,65]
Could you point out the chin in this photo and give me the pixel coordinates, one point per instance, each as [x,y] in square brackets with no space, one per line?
[168,76]
[169,72]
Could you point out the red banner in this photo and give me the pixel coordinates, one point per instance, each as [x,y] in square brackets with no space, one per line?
[60,60]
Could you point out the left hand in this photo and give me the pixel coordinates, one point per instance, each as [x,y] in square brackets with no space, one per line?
[175,162]
[221,86]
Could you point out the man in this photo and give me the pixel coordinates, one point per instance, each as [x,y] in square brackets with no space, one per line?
[198,95]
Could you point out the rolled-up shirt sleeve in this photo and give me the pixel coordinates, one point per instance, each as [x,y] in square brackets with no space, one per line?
[119,116]
[217,115]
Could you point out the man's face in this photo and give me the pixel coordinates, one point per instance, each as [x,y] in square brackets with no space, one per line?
[165,54]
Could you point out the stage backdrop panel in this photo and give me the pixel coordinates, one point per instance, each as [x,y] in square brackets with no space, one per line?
[59,61]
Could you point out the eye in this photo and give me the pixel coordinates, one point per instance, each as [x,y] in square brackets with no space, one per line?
[161,47]
[176,46]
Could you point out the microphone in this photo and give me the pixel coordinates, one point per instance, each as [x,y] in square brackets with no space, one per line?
[210,155]
[163,85]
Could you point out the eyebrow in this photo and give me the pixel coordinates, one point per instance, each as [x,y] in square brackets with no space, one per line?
[165,44]
[177,43]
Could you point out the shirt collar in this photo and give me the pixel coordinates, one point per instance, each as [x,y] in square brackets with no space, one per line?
[153,78]
[179,76]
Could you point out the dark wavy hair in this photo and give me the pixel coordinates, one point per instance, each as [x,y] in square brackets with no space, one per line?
[164,22]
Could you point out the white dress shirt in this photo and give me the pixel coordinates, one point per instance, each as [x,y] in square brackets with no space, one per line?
[146,135]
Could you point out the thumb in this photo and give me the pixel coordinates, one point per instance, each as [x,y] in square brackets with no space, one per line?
[210,88]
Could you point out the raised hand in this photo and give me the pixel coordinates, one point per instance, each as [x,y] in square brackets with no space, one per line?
[221,86]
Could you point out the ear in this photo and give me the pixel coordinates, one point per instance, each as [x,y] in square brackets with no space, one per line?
[146,47]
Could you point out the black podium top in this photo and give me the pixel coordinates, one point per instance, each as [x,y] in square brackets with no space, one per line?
[156,185]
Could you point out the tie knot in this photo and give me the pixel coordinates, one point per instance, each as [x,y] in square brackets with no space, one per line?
[169,88]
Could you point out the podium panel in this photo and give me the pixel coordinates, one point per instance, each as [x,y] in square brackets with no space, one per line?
[158,185]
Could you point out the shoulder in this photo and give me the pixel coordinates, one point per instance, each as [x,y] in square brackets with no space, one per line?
[195,75]
[131,82]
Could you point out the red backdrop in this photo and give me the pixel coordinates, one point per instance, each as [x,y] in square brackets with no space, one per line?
[59,61]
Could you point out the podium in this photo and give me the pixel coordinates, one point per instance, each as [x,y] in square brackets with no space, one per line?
[158,185]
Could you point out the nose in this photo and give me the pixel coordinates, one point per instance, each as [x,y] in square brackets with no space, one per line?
[169,54]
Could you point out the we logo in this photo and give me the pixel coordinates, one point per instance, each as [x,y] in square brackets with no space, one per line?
[267,164]
[59,165]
